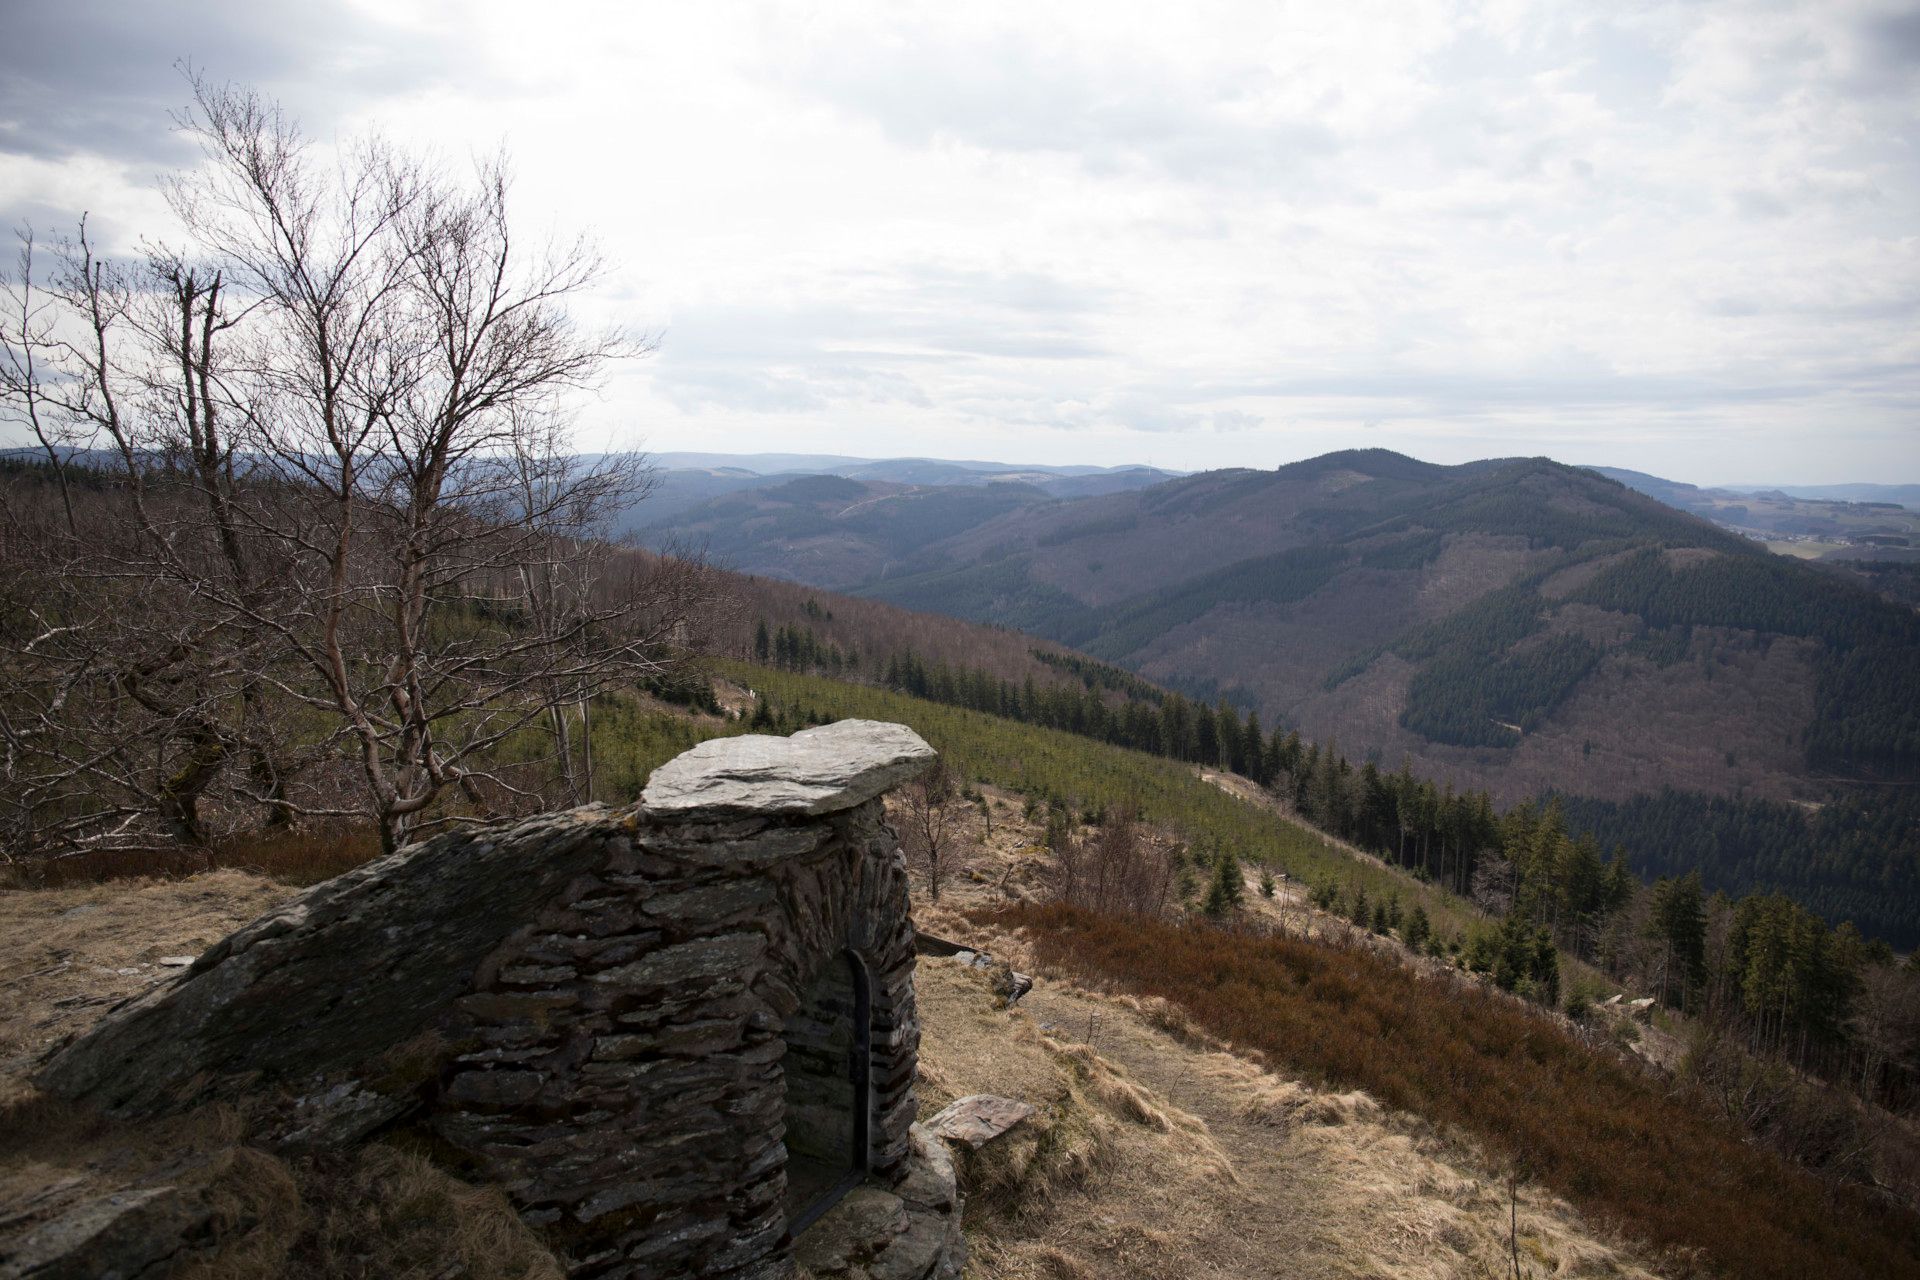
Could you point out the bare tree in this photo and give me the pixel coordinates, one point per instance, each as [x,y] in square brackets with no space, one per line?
[1117,870]
[349,537]
[930,821]
[565,504]
[29,340]
[1886,1024]
[125,693]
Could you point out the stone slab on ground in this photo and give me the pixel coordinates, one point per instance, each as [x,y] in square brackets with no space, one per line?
[977,1119]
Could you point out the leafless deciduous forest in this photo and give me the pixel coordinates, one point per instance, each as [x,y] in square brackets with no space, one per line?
[317,543]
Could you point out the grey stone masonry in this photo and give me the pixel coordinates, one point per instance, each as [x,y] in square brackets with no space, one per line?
[815,771]
[588,1007]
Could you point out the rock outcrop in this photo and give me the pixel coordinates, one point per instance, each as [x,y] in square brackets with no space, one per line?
[911,1232]
[591,1007]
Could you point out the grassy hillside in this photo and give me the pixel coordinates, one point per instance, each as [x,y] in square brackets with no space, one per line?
[631,741]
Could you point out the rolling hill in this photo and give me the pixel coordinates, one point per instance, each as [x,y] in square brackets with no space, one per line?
[1518,625]
[684,482]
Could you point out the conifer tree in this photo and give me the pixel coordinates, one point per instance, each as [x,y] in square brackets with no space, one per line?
[1678,923]
[1206,736]
[1225,893]
[1417,928]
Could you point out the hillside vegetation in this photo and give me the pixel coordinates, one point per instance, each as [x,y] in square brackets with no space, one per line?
[1518,625]
[1623,1148]
[1592,1128]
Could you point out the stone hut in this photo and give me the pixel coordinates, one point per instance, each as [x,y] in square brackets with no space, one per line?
[675,1034]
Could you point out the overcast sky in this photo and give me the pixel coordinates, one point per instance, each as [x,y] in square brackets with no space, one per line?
[1683,238]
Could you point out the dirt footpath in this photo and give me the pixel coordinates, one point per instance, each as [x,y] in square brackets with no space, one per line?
[1222,1169]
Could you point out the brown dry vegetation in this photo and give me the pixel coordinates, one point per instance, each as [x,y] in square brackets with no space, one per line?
[1585,1124]
[1157,1154]
[292,855]
[68,954]
[1631,727]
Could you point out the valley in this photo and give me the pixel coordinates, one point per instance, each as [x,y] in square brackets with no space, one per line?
[1043,644]
[1521,629]
[1496,624]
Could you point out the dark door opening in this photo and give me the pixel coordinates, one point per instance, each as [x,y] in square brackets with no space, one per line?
[828,1050]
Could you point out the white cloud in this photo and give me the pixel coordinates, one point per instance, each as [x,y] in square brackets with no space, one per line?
[1672,236]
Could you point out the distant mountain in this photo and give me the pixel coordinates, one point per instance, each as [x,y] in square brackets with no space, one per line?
[1515,624]
[1906,495]
[828,530]
[1675,493]
[899,470]
[685,482]
[765,464]
[1819,520]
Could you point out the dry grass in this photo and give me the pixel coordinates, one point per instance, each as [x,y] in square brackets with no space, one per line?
[1175,1158]
[50,1149]
[385,1213]
[257,1218]
[67,955]
[1586,1125]
[377,1213]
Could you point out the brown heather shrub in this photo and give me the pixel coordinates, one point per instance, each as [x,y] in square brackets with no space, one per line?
[292,855]
[1649,1163]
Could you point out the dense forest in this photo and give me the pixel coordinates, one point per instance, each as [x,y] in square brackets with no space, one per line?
[1478,687]
[1855,861]
[1867,699]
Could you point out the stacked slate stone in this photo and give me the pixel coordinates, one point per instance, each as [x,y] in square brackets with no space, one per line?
[589,1007]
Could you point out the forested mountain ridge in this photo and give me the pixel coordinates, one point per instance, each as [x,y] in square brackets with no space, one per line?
[755,504]
[1514,624]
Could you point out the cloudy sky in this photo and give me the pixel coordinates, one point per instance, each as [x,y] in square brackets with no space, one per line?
[1678,237]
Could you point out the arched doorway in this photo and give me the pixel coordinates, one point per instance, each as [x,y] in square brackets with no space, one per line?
[828,1095]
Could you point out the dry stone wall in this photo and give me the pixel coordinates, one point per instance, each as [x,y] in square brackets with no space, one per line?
[588,1008]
